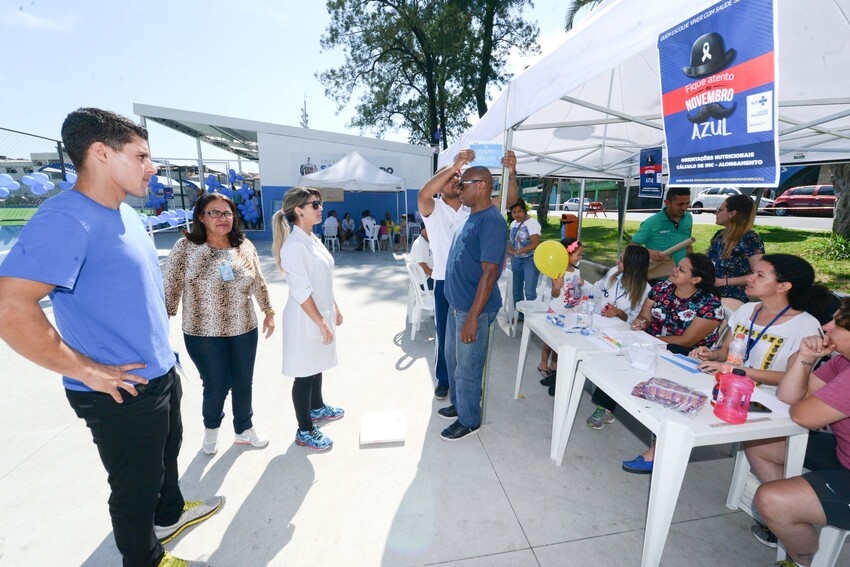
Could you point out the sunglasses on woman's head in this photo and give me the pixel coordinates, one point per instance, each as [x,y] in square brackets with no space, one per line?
[315,202]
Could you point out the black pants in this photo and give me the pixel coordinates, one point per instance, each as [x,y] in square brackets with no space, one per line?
[307,395]
[226,364]
[138,442]
[603,400]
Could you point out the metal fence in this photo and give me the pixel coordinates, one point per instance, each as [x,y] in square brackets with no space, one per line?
[34,168]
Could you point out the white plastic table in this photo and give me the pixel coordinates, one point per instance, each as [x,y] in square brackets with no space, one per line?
[677,434]
[571,348]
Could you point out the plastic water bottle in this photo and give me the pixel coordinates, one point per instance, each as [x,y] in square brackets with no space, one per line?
[583,317]
[733,401]
[737,351]
[591,309]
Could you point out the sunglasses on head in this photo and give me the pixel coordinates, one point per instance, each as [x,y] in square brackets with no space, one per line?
[315,202]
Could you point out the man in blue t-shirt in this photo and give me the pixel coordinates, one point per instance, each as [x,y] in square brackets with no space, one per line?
[89,252]
[475,262]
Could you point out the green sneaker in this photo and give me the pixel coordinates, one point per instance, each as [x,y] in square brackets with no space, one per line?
[600,418]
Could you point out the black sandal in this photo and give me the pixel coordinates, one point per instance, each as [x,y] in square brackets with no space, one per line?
[548,376]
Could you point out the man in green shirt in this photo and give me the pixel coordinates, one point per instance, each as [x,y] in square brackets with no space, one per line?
[668,227]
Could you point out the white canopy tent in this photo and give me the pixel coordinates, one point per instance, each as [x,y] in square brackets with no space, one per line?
[586,109]
[356,173]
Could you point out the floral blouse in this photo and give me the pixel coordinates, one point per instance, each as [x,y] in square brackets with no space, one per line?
[672,315]
[737,264]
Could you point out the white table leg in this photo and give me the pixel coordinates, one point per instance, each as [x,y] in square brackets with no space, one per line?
[672,451]
[739,479]
[523,350]
[570,416]
[567,362]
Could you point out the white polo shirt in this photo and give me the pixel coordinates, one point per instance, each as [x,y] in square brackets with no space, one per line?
[442,224]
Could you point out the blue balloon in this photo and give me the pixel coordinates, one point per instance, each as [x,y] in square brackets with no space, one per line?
[154,179]
[38,190]
[240,206]
[3,192]
[27,180]
[250,191]
[72,177]
[65,185]
[49,185]
[148,204]
[40,177]
[6,180]
[14,186]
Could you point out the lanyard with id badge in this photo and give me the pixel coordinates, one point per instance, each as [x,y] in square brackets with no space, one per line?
[226,271]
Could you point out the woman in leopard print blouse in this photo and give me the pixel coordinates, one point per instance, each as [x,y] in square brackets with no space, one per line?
[216,270]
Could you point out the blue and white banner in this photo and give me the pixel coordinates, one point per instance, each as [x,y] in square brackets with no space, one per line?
[719,99]
[650,173]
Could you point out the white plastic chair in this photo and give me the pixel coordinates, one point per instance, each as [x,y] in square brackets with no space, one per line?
[830,542]
[741,492]
[538,305]
[423,298]
[413,231]
[372,238]
[330,237]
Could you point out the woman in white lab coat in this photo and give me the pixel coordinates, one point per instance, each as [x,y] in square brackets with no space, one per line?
[311,314]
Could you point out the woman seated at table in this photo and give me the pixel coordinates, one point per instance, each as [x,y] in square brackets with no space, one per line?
[736,248]
[621,293]
[776,324]
[683,312]
[792,507]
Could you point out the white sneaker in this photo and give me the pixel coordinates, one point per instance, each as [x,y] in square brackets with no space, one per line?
[194,512]
[251,437]
[211,441]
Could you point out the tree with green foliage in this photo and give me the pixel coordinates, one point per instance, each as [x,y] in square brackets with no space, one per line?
[841,183]
[574,8]
[422,65]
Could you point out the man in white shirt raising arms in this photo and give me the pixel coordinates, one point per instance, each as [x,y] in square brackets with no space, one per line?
[443,217]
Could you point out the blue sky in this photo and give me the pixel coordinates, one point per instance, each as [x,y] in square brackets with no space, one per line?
[253,59]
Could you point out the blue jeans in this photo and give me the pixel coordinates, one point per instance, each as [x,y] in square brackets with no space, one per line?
[441,313]
[525,275]
[465,363]
[226,365]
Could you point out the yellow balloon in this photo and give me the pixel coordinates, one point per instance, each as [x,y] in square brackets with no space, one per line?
[551,258]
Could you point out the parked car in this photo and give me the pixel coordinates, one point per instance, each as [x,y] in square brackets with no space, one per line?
[806,199]
[572,204]
[710,200]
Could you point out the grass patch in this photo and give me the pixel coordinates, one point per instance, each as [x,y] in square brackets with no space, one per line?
[16,216]
[826,252]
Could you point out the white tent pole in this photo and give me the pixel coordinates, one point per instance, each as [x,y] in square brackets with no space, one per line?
[503,190]
[580,209]
[621,211]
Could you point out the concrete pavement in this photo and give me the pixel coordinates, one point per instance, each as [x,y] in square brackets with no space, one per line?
[494,499]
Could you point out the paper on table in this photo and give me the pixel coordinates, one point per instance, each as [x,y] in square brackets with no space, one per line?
[682,361]
[603,342]
[606,322]
[631,337]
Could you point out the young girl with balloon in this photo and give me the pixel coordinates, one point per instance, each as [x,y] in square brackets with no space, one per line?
[566,295]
